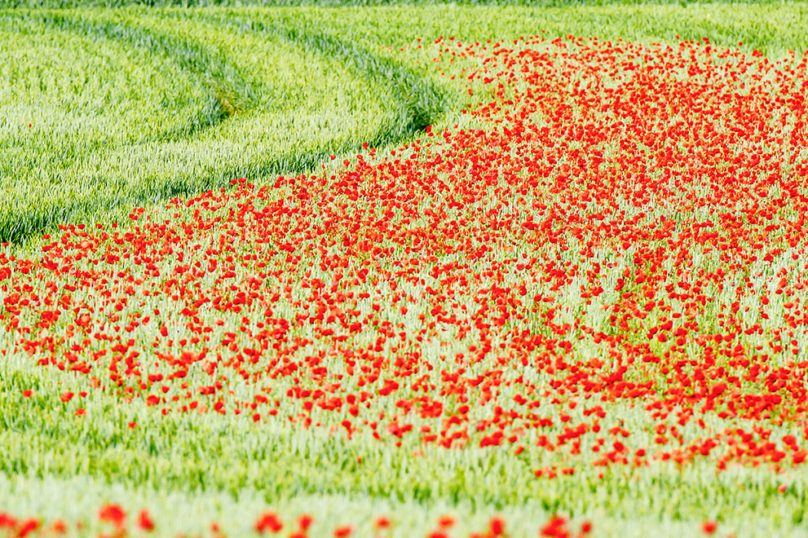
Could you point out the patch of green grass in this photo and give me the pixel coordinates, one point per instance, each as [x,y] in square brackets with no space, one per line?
[62,4]
[274,106]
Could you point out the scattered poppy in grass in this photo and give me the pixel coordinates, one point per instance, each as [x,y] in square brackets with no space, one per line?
[269,521]
[7,521]
[709,527]
[556,527]
[114,514]
[27,527]
[59,527]
[304,522]
[144,521]
[497,527]
[343,531]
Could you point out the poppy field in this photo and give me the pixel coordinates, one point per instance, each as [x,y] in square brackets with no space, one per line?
[432,271]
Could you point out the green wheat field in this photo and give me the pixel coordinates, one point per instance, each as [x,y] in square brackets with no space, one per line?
[106,108]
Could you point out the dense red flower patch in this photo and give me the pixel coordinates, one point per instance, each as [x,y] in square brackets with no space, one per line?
[622,226]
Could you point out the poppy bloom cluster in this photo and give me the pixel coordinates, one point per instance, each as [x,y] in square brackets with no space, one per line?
[619,227]
[270,523]
[113,515]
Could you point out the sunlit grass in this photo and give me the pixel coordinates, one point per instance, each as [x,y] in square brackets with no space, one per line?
[134,107]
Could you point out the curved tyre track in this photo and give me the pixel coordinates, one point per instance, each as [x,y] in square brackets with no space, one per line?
[105,183]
